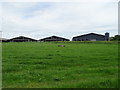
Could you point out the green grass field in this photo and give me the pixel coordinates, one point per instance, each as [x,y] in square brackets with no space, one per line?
[45,65]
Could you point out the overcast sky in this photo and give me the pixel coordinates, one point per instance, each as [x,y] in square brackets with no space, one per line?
[64,19]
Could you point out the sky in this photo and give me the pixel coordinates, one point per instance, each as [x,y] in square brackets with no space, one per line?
[66,19]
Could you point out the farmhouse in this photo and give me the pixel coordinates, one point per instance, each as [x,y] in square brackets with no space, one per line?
[92,37]
[54,38]
[22,39]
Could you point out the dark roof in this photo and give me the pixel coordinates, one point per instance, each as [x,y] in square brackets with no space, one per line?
[21,37]
[90,34]
[54,37]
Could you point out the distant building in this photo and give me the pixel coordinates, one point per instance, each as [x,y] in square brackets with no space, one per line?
[92,37]
[3,40]
[54,38]
[22,39]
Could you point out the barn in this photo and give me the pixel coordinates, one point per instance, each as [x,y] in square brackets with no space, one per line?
[92,37]
[3,40]
[54,38]
[22,39]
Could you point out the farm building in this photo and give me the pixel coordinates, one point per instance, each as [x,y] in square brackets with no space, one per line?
[22,39]
[92,37]
[3,40]
[54,38]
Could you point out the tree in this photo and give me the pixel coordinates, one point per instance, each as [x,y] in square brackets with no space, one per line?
[115,38]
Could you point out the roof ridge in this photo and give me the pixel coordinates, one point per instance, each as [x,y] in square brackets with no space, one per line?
[89,34]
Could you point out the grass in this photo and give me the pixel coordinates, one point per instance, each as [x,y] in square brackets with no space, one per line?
[45,65]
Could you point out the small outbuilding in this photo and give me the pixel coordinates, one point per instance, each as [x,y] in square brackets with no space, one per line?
[22,39]
[92,37]
[54,38]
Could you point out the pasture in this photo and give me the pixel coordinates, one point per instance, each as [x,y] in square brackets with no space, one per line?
[45,65]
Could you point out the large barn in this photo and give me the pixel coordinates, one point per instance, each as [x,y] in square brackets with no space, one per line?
[92,37]
[54,38]
[22,39]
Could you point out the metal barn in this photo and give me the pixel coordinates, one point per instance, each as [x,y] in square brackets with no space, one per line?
[92,37]
[54,38]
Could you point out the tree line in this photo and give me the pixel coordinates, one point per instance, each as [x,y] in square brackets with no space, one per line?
[115,38]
